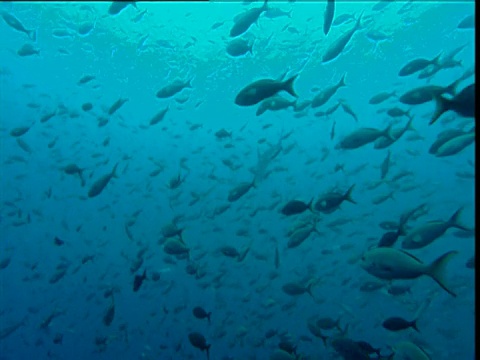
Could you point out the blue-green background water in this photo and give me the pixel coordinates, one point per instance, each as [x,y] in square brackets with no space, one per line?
[247,299]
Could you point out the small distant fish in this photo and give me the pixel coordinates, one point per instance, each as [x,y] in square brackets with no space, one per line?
[138,280]
[85,79]
[101,183]
[397,323]
[381,97]
[173,88]
[28,50]
[294,207]
[200,313]
[116,105]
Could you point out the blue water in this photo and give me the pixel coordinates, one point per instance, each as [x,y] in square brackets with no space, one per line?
[40,201]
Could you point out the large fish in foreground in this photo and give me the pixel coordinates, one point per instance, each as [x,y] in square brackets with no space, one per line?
[262,89]
[463,104]
[339,44]
[393,264]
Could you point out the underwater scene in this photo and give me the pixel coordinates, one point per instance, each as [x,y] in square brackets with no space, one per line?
[233,180]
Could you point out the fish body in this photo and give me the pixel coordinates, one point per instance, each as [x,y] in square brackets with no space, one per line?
[238,47]
[424,235]
[322,97]
[138,280]
[159,116]
[294,207]
[262,89]
[238,191]
[339,44]
[330,202]
[396,323]
[363,136]
[417,65]
[116,105]
[455,145]
[101,183]
[423,94]
[14,23]
[200,313]
[393,264]
[243,21]
[381,97]
[328,16]
[274,103]
[198,340]
[28,50]
[173,88]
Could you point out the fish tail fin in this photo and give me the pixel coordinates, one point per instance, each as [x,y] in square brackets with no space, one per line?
[454,222]
[288,86]
[388,132]
[324,339]
[207,350]
[436,270]
[348,195]
[414,325]
[358,25]
[114,171]
[409,124]
[442,105]
[208,317]
[342,81]
[309,289]
[32,34]
[265,6]
[309,205]
[450,89]
[436,59]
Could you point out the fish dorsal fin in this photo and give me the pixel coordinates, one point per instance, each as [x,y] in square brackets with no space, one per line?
[412,256]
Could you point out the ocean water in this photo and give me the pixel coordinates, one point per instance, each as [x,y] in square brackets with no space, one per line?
[67,258]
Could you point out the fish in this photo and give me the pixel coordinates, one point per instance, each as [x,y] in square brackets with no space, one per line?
[159,116]
[384,141]
[347,109]
[362,137]
[238,47]
[273,13]
[116,105]
[330,202]
[393,264]
[396,323]
[328,16]
[109,313]
[385,166]
[462,103]
[417,65]
[322,97]
[138,280]
[238,191]
[409,350]
[381,97]
[295,289]
[173,88]
[85,79]
[14,23]
[341,42]
[243,21]
[198,340]
[262,89]
[468,22]
[455,145]
[28,50]
[118,5]
[423,94]
[102,182]
[424,235]
[200,313]
[294,207]
[274,103]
